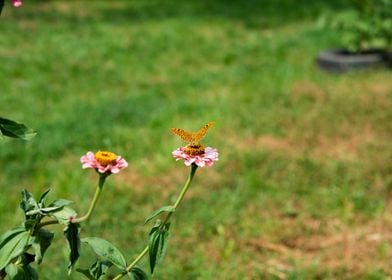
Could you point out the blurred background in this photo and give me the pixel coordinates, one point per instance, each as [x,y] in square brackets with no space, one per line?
[303,186]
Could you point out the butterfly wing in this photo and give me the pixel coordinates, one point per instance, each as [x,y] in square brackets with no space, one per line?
[185,135]
[202,131]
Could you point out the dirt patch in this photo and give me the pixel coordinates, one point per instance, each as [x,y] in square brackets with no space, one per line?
[377,96]
[346,144]
[356,249]
[264,142]
[273,143]
[308,90]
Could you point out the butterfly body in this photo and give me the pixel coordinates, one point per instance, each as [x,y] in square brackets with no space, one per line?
[193,138]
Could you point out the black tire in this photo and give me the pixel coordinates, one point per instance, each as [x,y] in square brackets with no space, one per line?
[341,61]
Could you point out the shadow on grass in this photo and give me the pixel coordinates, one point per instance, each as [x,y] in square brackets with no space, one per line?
[251,13]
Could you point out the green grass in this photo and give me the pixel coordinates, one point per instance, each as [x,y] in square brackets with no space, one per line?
[302,189]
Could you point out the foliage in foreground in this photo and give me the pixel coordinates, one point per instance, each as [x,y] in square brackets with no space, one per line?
[27,243]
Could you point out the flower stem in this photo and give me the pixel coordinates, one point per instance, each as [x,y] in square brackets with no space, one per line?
[46,223]
[129,267]
[183,192]
[98,190]
[175,206]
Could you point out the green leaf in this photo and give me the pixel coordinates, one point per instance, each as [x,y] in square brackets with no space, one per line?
[97,271]
[19,272]
[13,129]
[46,210]
[168,209]
[26,258]
[157,244]
[5,237]
[30,206]
[13,270]
[71,233]
[60,203]
[35,211]
[1,5]
[30,273]
[137,273]
[106,250]
[86,272]
[14,243]
[64,215]
[42,211]
[28,202]
[42,199]
[41,242]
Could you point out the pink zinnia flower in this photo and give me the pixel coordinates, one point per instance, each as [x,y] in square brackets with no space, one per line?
[103,162]
[208,158]
[17,3]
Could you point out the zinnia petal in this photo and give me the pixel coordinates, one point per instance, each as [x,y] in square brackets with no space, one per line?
[17,3]
[89,160]
[207,159]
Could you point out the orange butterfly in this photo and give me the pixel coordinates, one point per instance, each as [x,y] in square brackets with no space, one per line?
[194,146]
[192,137]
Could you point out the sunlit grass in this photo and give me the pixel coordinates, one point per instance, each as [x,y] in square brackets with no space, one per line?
[304,173]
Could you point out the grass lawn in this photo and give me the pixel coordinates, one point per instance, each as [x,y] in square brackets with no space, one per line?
[303,186]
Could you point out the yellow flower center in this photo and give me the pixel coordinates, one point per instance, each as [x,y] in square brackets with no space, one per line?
[105,158]
[194,149]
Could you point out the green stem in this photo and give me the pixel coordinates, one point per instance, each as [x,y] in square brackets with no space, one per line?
[51,222]
[129,267]
[175,206]
[183,192]
[98,190]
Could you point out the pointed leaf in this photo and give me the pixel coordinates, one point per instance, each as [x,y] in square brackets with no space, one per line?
[56,206]
[60,203]
[20,272]
[28,202]
[157,244]
[42,199]
[30,273]
[153,247]
[12,270]
[106,250]
[1,5]
[13,245]
[31,208]
[33,212]
[41,242]
[13,129]
[97,271]
[64,215]
[48,210]
[86,272]
[26,258]
[43,211]
[137,273]
[5,237]
[159,211]
[71,233]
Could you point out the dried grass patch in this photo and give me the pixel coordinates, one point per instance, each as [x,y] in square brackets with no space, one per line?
[356,249]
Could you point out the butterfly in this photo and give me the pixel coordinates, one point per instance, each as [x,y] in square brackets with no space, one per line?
[193,138]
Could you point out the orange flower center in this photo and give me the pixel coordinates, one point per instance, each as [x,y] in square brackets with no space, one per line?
[105,158]
[194,149]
